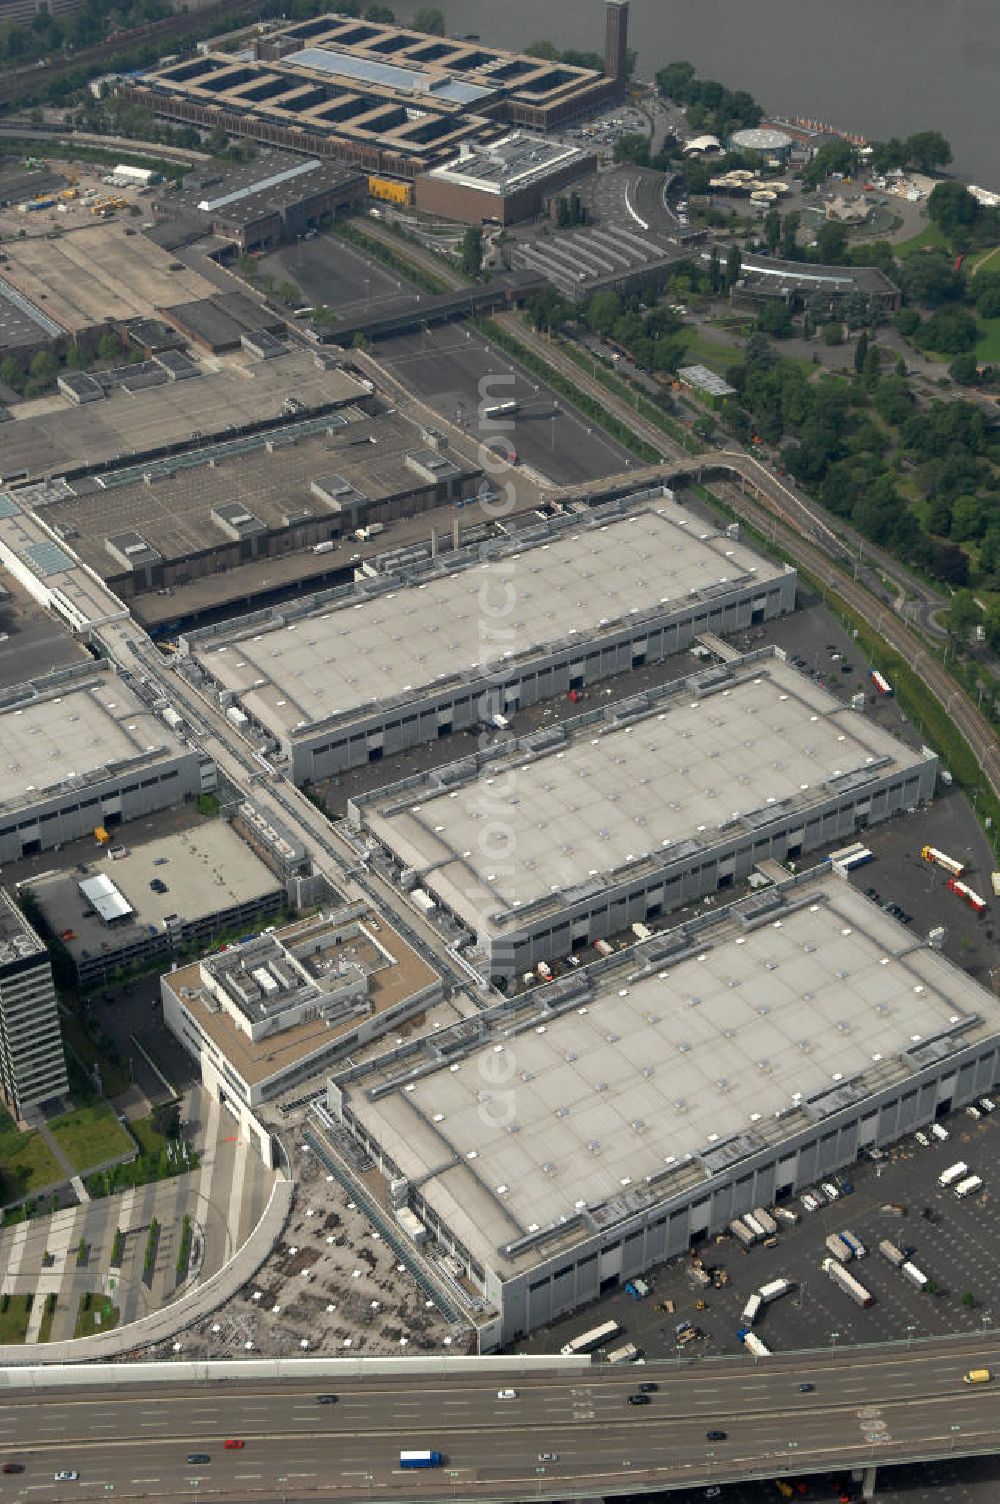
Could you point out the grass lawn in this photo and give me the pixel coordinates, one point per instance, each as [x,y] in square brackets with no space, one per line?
[151,1140]
[101,1316]
[986,261]
[988,343]
[701,350]
[90,1135]
[26,1162]
[14,1321]
[928,236]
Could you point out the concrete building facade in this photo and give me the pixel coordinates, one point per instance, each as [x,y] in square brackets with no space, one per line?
[273,1012]
[508,180]
[563,1143]
[389,664]
[83,752]
[32,1062]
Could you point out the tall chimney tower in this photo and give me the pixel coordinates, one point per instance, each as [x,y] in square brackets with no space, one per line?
[616,40]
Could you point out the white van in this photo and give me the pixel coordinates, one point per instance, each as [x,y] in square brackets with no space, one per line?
[940,1133]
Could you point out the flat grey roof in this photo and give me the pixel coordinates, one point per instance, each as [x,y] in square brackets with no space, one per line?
[759,1033]
[74,731]
[269,474]
[674,779]
[359,655]
[509,164]
[206,870]
[49,436]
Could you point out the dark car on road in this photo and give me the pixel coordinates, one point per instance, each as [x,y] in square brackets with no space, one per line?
[639,1399]
[715,1435]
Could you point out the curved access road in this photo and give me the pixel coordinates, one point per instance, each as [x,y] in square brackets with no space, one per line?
[560,1435]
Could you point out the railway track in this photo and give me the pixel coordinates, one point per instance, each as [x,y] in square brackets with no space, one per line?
[801,531]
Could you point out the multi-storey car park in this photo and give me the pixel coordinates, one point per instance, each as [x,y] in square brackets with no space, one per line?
[235,519]
[134,905]
[568,1139]
[387,99]
[82,752]
[578,832]
[461,638]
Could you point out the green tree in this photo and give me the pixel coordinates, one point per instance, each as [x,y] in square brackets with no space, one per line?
[472,251]
[969,516]
[949,331]
[928,150]
[952,207]
[963,616]
[964,369]
[789,235]
[383,16]
[428,18]
[675,79]
[109,346]
[632,147]
[832,156]
[775,319]
[860,351]
[734,265]
[888,156]
[931,277]
[831,242]
[44,368]
[603,311]
[991,626]
[772,229]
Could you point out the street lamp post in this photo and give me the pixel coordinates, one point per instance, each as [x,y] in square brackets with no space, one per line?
[909,1334]
[833,1338]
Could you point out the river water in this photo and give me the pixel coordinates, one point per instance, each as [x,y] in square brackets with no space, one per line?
[875,67]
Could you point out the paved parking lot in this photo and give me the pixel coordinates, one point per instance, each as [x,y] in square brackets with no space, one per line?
[33,643]
[958,1248]
[326,270]
[447,365]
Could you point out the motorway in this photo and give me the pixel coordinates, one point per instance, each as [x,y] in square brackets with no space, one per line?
[876,1406]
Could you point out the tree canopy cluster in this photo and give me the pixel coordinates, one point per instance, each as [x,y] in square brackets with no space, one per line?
[850,442]
[710,106]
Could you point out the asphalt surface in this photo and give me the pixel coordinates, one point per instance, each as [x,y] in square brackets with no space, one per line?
[328,270]
[865,1406]
[455,370]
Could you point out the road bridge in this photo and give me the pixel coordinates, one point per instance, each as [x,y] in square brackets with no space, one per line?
[568,1432]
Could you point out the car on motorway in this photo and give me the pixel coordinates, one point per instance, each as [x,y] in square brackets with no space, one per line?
[548,1456]
[234,1445]
[648,1388]
[922,1139]
[326,1399]
[506,1394]
[639,1399]
[196,1457]
[13,1467]
[715,1435]
[806,1388]
[67,1475]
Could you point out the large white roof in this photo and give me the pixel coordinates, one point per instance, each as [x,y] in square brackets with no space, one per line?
[614,794]
[550,1113]
[360,655]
